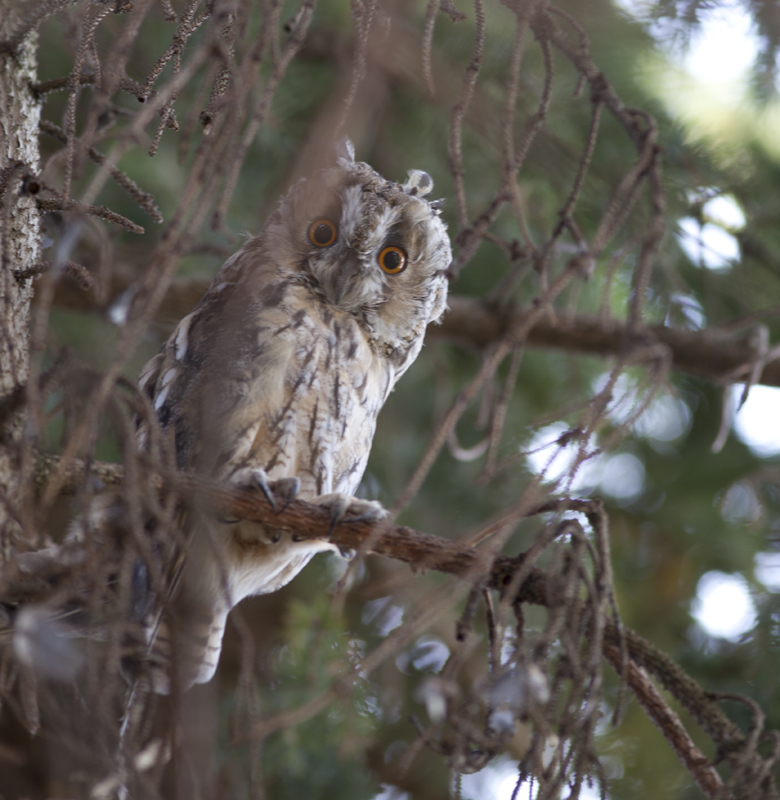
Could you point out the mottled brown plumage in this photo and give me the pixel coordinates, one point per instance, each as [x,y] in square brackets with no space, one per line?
[276,378]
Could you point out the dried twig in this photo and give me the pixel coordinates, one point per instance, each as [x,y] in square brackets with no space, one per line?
[79,272]
[46,204]
[668,723]
[144,199]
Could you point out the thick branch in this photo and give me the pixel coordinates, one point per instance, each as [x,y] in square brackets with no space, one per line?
[713,354]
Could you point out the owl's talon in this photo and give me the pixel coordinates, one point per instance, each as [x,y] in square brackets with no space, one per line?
[260,479]
[347,552]
[255,478]
[338,509]
[287,489]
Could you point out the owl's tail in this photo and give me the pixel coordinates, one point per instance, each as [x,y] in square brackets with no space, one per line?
[183,648]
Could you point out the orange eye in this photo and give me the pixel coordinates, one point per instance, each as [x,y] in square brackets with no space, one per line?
[322,232]
[392,260]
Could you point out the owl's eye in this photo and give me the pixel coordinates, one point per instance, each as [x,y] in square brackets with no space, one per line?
[322,232]
[392,260]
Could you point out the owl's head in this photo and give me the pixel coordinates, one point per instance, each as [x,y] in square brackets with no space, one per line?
[375,249]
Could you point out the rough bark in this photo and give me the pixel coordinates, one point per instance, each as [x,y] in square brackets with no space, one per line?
[19,241]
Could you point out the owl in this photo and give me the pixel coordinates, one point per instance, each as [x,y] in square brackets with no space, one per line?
[275,380]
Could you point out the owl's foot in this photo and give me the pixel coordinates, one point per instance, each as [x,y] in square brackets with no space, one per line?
[345,508]
[255,478]
[342,507]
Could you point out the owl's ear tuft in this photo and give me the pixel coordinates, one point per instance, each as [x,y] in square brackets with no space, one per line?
[419,183]
[345,151]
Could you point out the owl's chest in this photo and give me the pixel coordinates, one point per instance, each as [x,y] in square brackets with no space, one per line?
[314,399]
[331,369]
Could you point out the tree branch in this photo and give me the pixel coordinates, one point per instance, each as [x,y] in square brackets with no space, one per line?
[717,355]
[714,354]
[668,723]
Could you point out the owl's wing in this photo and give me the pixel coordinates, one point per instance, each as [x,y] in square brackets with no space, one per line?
[203,386]
[199,382]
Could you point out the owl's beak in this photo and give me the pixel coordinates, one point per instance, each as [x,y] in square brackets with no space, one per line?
[345,279]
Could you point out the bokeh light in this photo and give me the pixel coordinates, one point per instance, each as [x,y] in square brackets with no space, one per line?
[723,607]
[757,423]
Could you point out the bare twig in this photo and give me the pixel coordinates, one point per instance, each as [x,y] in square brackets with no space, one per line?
[79,272]
[144,199]
[46,204]
[669,724]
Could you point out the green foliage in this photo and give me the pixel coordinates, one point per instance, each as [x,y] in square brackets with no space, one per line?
[323,757]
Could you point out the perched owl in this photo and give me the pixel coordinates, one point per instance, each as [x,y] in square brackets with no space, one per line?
[276,379]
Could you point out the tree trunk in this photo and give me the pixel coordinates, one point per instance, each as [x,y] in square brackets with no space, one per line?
[19,246]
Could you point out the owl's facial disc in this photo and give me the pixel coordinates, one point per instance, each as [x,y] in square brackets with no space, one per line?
[372,248]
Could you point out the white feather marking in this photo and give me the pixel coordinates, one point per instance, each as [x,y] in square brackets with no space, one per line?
[147,373]
[161,398]
[385,221]
[165,385]
[419,183]
[181,340]
[168,377]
